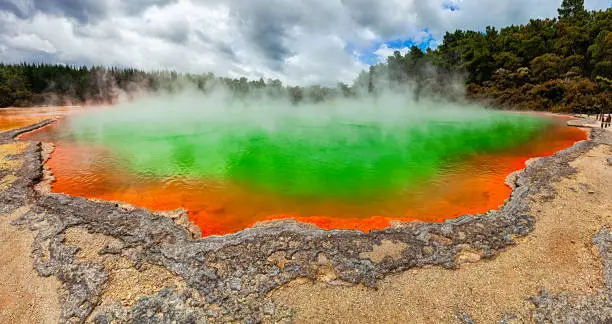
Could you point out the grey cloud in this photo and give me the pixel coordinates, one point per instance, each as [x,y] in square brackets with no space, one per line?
[269,25]
[381,16]
[136,7]
[266,27]
[92,31]
[222,46]
[12,7]
[177,33]
[82,10]
[481,13]
[20,56]
[227,51]
[269,37]
[429,14]
[5,27]
[365,12]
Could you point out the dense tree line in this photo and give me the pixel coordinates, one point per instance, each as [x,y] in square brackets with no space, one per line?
[562,64]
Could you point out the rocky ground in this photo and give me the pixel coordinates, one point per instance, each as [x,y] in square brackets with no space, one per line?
[545,256]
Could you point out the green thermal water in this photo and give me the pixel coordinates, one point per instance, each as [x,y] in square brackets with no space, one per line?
[346,153]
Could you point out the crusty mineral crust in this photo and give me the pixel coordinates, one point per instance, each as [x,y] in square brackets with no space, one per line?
[227,277]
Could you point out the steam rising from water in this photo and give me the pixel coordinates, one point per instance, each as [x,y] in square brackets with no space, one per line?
[339,149]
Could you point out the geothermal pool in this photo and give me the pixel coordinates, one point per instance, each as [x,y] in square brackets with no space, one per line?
[350,166]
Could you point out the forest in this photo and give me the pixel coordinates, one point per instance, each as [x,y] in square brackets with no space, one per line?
[561,65]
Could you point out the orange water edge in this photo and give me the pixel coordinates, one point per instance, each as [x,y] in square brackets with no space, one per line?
[15,118]
[477,186]
[16,122]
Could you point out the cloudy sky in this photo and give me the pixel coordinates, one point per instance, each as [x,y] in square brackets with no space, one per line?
[297,41]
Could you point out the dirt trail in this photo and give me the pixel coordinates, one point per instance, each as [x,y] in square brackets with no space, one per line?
[558,256]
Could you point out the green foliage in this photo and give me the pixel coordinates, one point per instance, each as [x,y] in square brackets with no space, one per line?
[601,54]
[545,67]
[604,83]
[571,8]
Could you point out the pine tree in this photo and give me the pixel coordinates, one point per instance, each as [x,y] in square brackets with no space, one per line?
[571,8]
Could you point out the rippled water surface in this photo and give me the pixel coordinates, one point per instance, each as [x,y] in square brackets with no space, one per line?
[336,173]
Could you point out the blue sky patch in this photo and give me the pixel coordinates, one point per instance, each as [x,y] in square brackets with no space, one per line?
[368,54]
[450,5]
